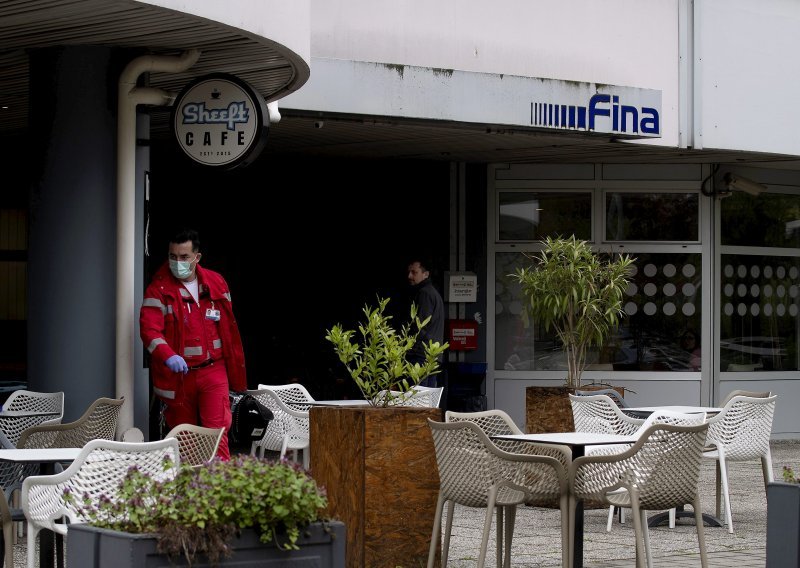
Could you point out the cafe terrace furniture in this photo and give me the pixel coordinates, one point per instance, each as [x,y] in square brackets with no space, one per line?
[435,393]
[98,421]
[197,445]
[577,442]
[42,461]
[740,432]
[613,394]
[289,428]
[661,470]
[599,413]
[474,472]
[96,472]
[23,409]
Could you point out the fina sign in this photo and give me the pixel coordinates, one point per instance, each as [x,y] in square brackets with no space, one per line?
[220,120]
[609,110]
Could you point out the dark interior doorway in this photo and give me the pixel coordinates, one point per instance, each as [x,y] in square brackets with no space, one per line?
[303,243]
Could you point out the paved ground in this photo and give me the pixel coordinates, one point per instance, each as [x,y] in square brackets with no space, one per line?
[537,535]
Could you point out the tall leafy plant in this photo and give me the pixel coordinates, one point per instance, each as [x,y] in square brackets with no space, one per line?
[376,355]
[576,292]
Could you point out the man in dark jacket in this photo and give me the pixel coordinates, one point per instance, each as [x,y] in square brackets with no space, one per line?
[196,355]
[429,303]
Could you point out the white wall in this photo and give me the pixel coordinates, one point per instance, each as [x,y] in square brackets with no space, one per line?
[749,74]
[619,42]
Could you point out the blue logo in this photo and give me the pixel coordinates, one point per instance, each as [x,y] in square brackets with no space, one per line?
[624,119]
[235,113]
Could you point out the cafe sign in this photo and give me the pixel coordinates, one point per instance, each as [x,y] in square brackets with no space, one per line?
[220,120]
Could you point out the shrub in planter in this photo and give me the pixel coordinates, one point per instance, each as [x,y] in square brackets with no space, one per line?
[200,509]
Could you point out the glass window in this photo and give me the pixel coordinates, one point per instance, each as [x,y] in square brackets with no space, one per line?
[532,216]
[766,220]
[634,216]
[759,313]
[661,330]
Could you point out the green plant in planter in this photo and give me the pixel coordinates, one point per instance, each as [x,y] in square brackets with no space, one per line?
[575,291]
[200,509]
[378,361]
[788,475]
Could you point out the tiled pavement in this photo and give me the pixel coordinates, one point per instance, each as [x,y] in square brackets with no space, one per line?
[537,541]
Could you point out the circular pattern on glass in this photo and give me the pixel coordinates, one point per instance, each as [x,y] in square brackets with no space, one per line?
[650,308]
[793,310]
[631,308]
[515,307]
[650,289]
[669,289]
[793,273]
[767,310]
[754,309]
[650,270]
[780,272]
[728,290]
[668,308]
[780,290]
[767,272]
[755,271]
[741,309]
[754,290]
[688,309]
[728,309]
[634,270]
[780,310]
[688,270]
[741,290]
[688,289]
[767,290]
[728,270]
[498,307]
[631,289]
[499,287]
[741,271]
[669,270]
[793,290]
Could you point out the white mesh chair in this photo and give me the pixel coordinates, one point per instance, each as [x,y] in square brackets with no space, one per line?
[97,471]
[473,472]
[98,421]
[613,394]
[27,403]
[435,393]
[657,417]
[287,431]
[740,432]
[660,471]
[293,395]
[427,397]
[197,445]
[599,413]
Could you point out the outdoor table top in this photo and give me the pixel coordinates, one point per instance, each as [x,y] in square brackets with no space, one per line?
[39,455]
[684,409]
[569,438]
[355,402]
[25,413]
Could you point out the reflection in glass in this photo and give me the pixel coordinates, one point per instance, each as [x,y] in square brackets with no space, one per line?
[766,220]
[652,216]
[650,337]
[760,335]
[532,216]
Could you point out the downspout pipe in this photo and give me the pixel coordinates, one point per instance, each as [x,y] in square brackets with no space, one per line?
[128,98]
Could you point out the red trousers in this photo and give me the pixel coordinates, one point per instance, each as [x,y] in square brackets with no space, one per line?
[205,403]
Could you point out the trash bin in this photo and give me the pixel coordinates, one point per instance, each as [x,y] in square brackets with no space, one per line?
[466,382]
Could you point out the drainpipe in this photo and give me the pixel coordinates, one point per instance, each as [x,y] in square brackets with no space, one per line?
[129,96]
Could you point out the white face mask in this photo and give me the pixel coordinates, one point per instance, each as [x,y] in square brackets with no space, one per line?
[181,269]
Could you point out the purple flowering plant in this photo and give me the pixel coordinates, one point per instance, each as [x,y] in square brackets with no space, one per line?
[200,509]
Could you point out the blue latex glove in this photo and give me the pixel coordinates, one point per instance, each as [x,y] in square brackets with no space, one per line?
[176,364]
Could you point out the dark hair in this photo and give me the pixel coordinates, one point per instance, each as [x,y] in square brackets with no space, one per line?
[187,235]
[424,264]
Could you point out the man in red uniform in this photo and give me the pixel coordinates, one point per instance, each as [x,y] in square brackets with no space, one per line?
[186,323]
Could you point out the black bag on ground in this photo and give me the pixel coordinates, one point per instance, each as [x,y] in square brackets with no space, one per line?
[249,421]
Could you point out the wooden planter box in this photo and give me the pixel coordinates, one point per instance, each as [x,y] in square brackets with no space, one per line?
[378,467]
[783,525]
[321,546]
[547,409]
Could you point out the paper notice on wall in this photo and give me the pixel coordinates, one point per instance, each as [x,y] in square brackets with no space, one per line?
[462,287]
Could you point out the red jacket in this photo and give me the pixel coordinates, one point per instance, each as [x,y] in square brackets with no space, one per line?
[161,326]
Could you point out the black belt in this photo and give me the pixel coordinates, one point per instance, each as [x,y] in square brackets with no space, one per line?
[206,363]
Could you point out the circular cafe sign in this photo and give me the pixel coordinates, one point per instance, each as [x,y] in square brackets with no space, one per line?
[220,120]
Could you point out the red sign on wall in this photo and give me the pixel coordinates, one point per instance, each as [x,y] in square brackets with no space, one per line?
[462,335]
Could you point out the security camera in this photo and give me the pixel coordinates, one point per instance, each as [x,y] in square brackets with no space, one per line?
[318,124]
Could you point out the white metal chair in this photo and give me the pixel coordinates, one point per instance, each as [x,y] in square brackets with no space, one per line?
[97,471]
[197,444]
[287,431]
[427,397]
[660,471]
[98,421]
[293,395]
[611,393]
[599,413]
[473,472]
[435,393]
[740,432]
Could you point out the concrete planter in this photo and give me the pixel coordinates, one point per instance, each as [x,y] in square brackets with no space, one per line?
[321,546]
[783,525]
